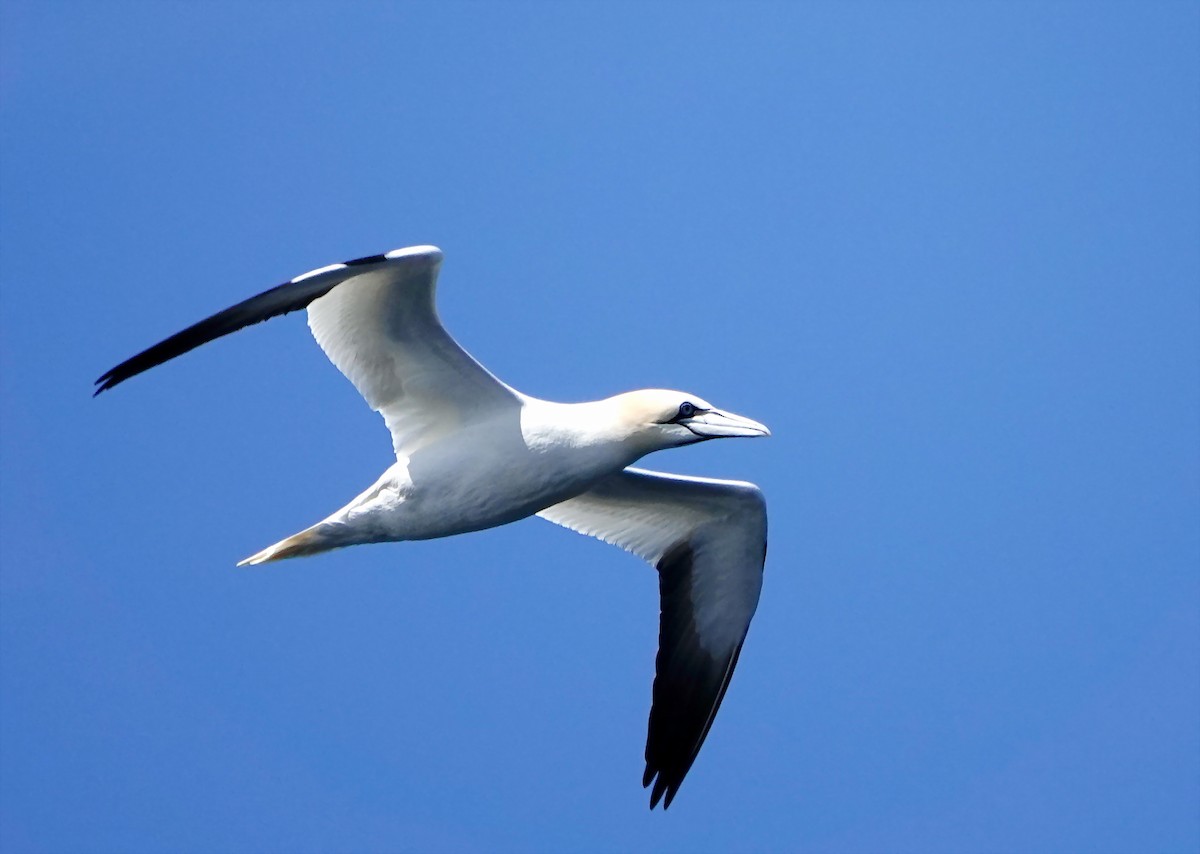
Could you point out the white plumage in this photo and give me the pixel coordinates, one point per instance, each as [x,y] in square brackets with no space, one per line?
[473,453]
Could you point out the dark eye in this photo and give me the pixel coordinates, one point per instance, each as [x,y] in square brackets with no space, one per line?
[687,409]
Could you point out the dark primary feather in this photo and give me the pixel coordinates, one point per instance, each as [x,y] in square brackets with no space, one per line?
[689,683]
[288,297]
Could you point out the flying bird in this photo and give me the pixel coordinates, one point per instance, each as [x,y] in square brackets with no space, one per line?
[473,453]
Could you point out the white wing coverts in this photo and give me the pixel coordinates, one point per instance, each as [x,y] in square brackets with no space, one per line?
[708,540]
[376,320]
[384,334]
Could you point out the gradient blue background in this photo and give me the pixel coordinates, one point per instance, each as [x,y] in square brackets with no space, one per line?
[950,253]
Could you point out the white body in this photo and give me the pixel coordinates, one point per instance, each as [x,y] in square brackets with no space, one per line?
[486,474]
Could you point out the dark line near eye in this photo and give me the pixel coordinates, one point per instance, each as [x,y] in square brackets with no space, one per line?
[678,419]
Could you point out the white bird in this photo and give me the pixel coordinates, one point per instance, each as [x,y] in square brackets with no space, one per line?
[473,453]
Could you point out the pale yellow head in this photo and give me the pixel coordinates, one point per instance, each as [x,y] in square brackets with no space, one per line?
[656,418]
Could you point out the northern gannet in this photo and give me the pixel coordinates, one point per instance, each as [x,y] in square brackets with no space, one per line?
[473,453]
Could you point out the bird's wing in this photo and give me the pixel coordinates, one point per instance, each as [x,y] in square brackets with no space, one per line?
[376,320]
[708,540]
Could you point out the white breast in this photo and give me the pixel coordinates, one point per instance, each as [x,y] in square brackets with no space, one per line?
[499,470]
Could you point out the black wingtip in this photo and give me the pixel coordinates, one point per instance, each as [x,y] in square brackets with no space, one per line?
[113,377]
[660,789]
[104,383]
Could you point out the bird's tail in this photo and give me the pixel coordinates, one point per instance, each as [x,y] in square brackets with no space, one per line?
[363,520]
[308,542]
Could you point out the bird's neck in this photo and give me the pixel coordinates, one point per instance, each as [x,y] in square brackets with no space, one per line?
[591,430]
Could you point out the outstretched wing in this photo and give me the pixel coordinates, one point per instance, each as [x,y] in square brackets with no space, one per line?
[708,540]
[376,320]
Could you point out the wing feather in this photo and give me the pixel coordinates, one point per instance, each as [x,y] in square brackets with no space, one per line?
[376,320]
[707,539]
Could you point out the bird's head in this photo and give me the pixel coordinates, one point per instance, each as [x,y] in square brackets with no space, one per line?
[655,419]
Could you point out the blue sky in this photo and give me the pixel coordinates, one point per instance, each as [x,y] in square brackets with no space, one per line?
[950,253]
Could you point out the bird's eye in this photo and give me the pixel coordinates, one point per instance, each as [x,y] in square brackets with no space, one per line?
[687,409]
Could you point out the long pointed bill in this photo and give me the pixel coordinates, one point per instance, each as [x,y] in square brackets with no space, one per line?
[716,424]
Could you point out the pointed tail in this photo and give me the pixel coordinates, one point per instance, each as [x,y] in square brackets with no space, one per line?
[307,542]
